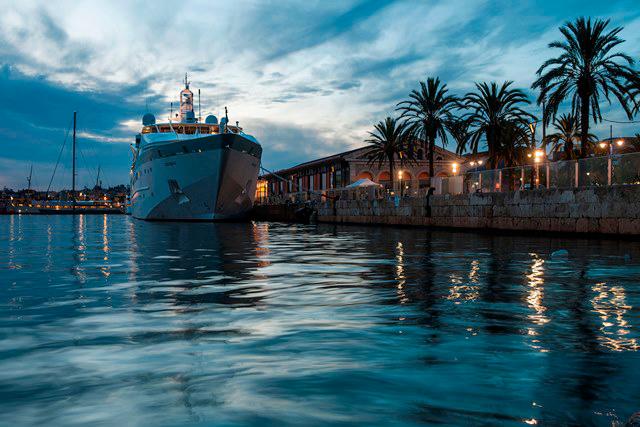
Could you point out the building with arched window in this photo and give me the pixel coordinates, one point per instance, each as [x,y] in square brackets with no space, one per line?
[342,169]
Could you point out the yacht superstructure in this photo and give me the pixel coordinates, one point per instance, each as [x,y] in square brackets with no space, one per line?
[193,170]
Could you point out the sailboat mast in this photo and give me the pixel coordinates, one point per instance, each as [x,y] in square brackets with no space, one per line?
[73,161]
[29,179]
[98,177]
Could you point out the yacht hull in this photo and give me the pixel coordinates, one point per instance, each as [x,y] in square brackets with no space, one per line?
[209,178]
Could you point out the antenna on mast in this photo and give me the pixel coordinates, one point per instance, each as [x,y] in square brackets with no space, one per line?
[98,178]
[199,108]
[171,111]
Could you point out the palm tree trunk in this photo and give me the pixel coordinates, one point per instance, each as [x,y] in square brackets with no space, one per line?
[584,125]
[391,174]
[491,147]
[431,143]
[568,150]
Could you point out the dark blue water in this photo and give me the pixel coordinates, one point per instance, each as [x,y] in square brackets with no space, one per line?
[113,321]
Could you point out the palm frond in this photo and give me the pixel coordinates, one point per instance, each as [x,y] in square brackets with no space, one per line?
[495,113]
[587,69]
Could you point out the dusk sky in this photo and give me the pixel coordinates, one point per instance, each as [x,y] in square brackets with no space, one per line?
[307,78]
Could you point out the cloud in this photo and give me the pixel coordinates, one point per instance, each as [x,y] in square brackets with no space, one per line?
[37,119]
[103,138]
[285,144]
[307,78]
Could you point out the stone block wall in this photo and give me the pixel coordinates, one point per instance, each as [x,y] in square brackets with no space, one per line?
[606,210]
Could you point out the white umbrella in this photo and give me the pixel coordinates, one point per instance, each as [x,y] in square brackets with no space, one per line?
[364,182]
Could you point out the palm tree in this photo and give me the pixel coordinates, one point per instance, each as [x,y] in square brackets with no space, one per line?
[459,131]
[427,112]
[389,141]
[586,69]
[567,135]
[495,113]
[514,143]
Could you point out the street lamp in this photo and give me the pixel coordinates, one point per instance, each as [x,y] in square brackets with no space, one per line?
[400,179]
[454,168]
[538,155]
[604,145]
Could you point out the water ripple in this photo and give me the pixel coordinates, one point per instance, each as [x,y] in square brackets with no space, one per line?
[108,320]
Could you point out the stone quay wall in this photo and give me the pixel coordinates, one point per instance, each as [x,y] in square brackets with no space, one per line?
[604,210]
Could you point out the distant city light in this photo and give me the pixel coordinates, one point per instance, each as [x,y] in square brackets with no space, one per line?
[602,145]
[620,142]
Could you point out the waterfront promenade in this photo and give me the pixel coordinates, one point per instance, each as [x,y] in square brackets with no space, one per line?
[608,210]
[595,195]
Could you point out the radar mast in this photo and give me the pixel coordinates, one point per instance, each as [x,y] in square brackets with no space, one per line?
[186,103]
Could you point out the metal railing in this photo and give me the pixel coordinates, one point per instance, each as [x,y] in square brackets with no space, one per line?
[363,193]
[616,169]
[294,198]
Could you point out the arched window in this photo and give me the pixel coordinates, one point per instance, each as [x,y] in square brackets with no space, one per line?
[385,179]
[404,175]
[423,180]
[364,175]
[404,179]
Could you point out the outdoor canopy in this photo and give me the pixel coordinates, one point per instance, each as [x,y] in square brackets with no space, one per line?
[364,182]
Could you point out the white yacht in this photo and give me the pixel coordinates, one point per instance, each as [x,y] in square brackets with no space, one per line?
[193,170]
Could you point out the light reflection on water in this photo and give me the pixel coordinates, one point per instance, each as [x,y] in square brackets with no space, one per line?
[115,321]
